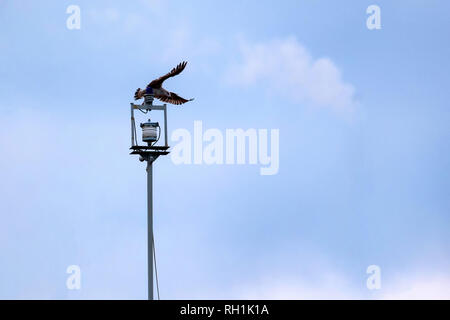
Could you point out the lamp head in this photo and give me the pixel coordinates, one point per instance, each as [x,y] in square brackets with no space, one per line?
[150,131]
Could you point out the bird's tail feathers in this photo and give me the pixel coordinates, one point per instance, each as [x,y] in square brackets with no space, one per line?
[137,94]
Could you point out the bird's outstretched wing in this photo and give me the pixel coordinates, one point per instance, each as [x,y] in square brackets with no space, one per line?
[177,70]
[174,99]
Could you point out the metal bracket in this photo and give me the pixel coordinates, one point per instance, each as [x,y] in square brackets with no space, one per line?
[147,106]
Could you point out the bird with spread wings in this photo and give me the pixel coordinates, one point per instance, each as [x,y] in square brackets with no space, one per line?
[155,88]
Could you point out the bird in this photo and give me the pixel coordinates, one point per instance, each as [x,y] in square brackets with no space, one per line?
[155,88]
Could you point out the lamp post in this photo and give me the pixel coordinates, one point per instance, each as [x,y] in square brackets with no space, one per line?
[151,132]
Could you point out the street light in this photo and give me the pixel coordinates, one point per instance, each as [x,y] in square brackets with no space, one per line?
[151,132]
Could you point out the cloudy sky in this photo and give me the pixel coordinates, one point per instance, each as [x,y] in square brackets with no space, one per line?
[363,173]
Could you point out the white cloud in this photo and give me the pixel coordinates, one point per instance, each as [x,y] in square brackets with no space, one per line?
[182,42]
[336,286]
[328,286]
[104,16]
[155,6]
[286,68]
[435,287]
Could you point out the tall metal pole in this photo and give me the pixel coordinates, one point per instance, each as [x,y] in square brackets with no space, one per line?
[149,153]
[150,226]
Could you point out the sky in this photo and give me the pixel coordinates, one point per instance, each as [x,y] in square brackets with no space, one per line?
[363,173]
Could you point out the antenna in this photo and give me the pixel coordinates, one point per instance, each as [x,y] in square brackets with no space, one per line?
[151,133]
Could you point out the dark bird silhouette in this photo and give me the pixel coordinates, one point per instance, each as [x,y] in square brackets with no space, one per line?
[155,88]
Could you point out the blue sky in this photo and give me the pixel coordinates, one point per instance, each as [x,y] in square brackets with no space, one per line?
[363,178]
